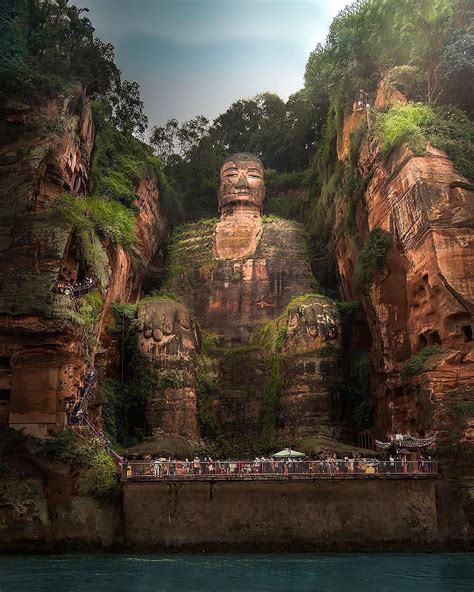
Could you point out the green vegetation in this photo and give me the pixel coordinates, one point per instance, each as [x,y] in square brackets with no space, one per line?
[271,218]
[416,124]
[92,214]
[347,309]
[280,182]
[371,257]
[100,477]
[409,80]
[404,123]
[125,408]
[124,310]
[452,131]
[270,403]
[415,364]
[353,389]
[207,387]
[66,446]
[91,307]
[48,48]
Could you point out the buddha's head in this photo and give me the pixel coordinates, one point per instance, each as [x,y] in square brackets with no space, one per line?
[241,185]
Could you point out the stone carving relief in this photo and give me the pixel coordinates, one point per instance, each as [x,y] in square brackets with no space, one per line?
[166,328]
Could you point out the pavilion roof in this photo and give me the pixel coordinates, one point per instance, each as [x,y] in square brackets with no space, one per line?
[407,441]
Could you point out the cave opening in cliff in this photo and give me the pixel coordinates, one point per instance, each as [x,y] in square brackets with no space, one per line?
[434,338]
[467,332]
[422,341]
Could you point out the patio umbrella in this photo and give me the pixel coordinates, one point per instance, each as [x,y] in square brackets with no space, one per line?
[288,453]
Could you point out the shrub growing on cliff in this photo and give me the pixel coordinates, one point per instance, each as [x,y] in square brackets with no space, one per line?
[409,80]
[403,123]
[372,256]
[415,364]
[206,387]
[446,128]
[108,218]
[67,447]
[101,478]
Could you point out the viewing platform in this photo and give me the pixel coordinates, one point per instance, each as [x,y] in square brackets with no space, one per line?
[276,470]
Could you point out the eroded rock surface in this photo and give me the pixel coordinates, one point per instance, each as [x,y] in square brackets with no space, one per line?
[169,338]
[424,295]
[45,345]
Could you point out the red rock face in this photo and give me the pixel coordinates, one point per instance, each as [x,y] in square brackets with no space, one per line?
[168,337]
[233,299]
[425,293]
[43,352]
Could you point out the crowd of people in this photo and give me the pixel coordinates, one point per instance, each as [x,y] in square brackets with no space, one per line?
[261,467]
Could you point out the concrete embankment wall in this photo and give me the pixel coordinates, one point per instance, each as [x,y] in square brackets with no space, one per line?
[309,515]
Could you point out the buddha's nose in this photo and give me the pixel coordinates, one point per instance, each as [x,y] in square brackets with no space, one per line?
[242,182]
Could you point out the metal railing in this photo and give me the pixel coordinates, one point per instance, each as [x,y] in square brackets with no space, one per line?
[263,470]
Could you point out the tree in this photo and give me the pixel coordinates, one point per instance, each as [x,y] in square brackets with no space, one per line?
[163,140]
[48,47]
[127,107]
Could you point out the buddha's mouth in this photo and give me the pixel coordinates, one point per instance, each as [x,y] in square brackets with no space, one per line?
[239,196]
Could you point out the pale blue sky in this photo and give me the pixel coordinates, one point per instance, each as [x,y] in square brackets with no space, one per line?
[194,57]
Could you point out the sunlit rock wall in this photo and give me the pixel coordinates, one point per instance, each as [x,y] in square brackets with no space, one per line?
[423,296]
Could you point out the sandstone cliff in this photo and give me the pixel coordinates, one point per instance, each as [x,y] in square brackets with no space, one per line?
[421,301]
[48,338]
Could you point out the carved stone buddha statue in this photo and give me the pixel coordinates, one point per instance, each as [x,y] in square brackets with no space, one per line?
[235,277]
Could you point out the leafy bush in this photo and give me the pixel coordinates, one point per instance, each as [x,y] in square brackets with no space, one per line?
[101,478]
[452,131]
[446,128]
[108,218]
[67,447]
[403,123]
[91,308]
[415,364]
[409,80]
[372,256]
[210,424]
[124,309]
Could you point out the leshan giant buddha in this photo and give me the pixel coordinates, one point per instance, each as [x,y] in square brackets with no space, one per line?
[271,345]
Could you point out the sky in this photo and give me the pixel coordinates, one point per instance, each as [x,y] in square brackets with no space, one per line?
[196,57]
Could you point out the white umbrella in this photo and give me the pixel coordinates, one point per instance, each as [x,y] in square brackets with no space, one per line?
[288,453]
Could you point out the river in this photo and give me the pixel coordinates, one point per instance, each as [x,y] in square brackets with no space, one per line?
[385,572]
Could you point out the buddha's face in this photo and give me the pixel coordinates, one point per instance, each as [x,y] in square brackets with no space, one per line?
[241,184]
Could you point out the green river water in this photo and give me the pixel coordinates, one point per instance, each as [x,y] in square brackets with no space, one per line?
[453,572]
